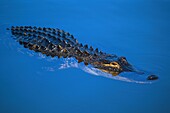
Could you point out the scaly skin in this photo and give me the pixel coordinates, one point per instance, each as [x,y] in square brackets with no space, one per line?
[55,42]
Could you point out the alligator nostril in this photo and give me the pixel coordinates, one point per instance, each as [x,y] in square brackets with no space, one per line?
[152,77]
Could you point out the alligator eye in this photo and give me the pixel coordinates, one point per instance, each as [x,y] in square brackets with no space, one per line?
[115,65]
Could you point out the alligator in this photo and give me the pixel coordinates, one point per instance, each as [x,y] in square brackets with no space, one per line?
[55,42]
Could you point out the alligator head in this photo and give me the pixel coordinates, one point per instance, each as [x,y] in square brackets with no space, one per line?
[115,65]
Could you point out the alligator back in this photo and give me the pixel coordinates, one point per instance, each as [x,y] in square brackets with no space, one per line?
[54,42]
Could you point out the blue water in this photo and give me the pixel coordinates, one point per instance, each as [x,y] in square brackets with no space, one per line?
[138,30]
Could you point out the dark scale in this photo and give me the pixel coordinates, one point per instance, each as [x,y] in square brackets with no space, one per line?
[55,42]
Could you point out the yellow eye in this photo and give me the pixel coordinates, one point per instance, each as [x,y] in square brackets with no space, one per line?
[112,68]
[115,65]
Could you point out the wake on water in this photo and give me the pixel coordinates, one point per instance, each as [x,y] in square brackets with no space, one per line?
[127,77]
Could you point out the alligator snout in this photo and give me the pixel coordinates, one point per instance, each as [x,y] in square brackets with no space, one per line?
[152,77]
[146,74]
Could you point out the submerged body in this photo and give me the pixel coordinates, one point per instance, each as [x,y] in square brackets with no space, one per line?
[55,42]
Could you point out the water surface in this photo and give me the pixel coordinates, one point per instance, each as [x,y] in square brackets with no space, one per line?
[137,30]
